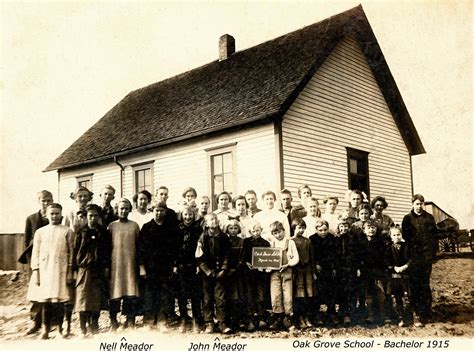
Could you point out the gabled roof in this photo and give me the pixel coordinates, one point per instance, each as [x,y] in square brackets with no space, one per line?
[259,83]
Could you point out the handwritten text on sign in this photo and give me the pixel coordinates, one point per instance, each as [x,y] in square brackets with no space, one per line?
[266,258]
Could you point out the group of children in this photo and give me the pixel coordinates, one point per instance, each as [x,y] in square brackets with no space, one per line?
[148,261]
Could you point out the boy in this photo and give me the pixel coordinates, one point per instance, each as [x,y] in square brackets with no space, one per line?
[33,223]
[107,211]
[281,281]
[203,204]
[287,208]
[347,269]
[212,254]
[157,247]
[270,215]
[257,280]
[373,272]
[91,261]
[397,259]
[325,268]
[51,263]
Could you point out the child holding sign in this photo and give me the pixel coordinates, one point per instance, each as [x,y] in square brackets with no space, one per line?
[281,283]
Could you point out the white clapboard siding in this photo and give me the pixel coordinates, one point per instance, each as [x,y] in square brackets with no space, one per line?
[340,107]
[186,164]
[102,174]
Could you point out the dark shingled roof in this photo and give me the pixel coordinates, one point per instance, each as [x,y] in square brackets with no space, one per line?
[258,83]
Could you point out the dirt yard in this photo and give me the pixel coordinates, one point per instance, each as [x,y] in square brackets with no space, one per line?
[453,295]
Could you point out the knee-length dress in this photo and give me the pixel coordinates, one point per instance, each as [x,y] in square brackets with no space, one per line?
[124,270]
[52,257]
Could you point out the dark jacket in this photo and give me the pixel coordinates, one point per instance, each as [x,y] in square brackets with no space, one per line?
[372,253]
[157,249]
[187,240]
[419,232]
[249,244]
[396,257]
[107,216]
[324,252]
[347,248]
[215,250]
[33,223]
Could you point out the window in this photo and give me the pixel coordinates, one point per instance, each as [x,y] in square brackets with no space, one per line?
[358,170]
[222,170]
[85,181]
[143,178]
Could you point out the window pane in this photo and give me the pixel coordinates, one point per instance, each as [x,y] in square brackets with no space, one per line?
[217,164]
[353,166]
[227,162]
[85,183]
[228,182]
[218,184]
[147,179]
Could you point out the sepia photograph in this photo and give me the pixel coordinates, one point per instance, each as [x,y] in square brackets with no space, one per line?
[236,175]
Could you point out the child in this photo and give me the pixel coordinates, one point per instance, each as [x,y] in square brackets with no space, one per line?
[347,270]
[91,261]
[251,198]
[51,263]
[383,221]
[363,214]
[330,213]
[303,274]
[281,281]
[203,204]
[107,212]
[312,217]
[256,280]
[355,200]
[397,259]
[241,207]
[33,223]
[189,195]
[304,193]
[325,268]
[234,276]
[141,215]
[212,255]
[123,283]
[270,215]
[190,284]
[82,196]
[157,247]
[287,208]
[223,211]
[373,272]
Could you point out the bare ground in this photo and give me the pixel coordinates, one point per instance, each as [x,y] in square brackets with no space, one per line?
[453,305]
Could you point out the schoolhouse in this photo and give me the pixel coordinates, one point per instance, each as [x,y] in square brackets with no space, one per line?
[317,106]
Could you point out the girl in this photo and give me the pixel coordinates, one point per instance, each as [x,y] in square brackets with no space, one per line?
[91,262]
[234,277]
[330,214]
[190,284]
[223,211]
[384,222]
[141,215]
[241,207]
[363,214]
[304,193]
[303,274]
[123,283]
[312,206]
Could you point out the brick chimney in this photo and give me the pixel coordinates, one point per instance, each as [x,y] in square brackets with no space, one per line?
[226,46]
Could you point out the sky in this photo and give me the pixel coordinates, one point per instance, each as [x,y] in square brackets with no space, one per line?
[63,65]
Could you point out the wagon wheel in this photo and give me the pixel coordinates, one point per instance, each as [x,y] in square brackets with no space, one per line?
[446,245]
[471,244]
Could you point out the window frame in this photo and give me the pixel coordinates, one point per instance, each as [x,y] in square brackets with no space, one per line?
[85,178]
[216,151]
[358,155]
[142,167]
